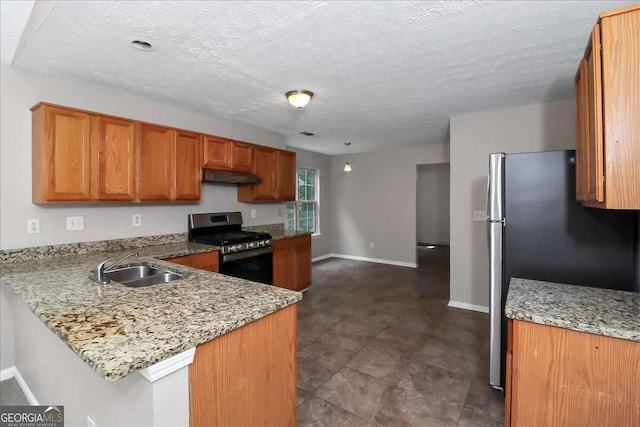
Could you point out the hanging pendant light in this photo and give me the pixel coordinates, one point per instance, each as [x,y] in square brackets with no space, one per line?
[299,98]
[347,166]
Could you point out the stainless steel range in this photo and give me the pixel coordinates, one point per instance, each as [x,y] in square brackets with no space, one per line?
[243,254]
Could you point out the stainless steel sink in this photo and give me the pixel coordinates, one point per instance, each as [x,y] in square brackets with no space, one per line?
[139,275]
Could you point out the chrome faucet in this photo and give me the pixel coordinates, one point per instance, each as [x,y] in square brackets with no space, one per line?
[101,269]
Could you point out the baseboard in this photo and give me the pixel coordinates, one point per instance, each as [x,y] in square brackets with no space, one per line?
[321,257]
[7,374]
[466,306]
[376,260]
[13,372]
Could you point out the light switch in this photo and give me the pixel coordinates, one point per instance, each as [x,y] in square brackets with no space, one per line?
[75,223]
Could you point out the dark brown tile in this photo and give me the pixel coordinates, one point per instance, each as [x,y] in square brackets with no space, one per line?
[470,419]
[302,396]
[410,408]
[440,353]
[437,383]
[357,327]
[355,392]
[403,339]
[458,336]
[336,347]
[319,413]
[382,361]
[484,401]
[313,371]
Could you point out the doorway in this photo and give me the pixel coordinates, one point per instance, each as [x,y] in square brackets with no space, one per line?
[432,209]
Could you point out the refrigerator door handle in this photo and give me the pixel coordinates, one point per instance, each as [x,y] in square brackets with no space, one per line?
[495,188]
[495,309]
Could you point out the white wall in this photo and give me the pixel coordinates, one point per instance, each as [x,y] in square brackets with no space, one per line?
[320,244]
[432,198]
[539,127]
[21,90]
[376,202]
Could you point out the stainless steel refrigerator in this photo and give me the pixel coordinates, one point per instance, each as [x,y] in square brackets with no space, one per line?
[538,231]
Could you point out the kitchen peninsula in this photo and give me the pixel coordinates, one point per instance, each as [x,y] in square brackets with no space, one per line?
[573,355]
[192,351]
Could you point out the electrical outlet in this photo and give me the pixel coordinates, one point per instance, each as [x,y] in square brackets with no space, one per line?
[371,245]
[90,422]
[479,216]
[33,226]
[137,220]
[253,213]
[75,223]
[279,211]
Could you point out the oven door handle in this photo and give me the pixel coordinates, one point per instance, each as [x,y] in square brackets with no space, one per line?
[246,254]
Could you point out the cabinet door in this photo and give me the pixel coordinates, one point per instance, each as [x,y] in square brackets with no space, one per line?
[286,176]
[265,167]
[621,107]
[283,259]
[61,155]
[241,156]
[217,152]
[595,168]
[114,166]
[301,262]
[157,164]
[188,170]
[582,132]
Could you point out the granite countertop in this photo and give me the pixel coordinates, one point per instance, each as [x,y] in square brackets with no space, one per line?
[596,311]
[118,330]
[277,231]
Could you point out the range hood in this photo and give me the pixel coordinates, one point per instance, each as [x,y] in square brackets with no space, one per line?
[229,177]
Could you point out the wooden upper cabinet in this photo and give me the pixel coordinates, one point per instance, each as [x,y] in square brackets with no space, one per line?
[187,169]
[241,156]
[113,159]
[277,169]
[608,107]
[594,173]
[217,152]
[156,163]
[61,149]
[582,131]
[264,166]
[227,154]
[286,175]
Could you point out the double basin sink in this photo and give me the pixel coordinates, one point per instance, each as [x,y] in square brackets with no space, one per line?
[142,274]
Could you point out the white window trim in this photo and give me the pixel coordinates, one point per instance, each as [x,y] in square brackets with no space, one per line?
[316,201]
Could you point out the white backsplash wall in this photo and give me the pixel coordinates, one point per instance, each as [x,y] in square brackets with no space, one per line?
[21,90]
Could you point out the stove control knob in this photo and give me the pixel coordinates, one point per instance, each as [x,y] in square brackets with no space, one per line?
[251,245]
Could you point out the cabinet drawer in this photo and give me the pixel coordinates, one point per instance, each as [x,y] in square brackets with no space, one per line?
[205,261]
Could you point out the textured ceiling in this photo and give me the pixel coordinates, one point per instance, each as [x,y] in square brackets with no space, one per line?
[384,73]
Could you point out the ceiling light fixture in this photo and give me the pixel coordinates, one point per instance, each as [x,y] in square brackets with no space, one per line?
[142,45]
[299,98]
[347,166]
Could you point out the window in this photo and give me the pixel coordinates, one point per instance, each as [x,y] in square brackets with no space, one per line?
[303,214]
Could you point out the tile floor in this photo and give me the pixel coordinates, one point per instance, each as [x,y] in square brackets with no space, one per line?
[378,346]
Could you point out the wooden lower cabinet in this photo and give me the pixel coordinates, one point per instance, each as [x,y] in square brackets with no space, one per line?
[559,377]
[292,263]
[248,376]
[205,261]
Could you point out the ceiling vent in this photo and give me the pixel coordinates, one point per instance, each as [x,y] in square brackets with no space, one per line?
[305,133]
